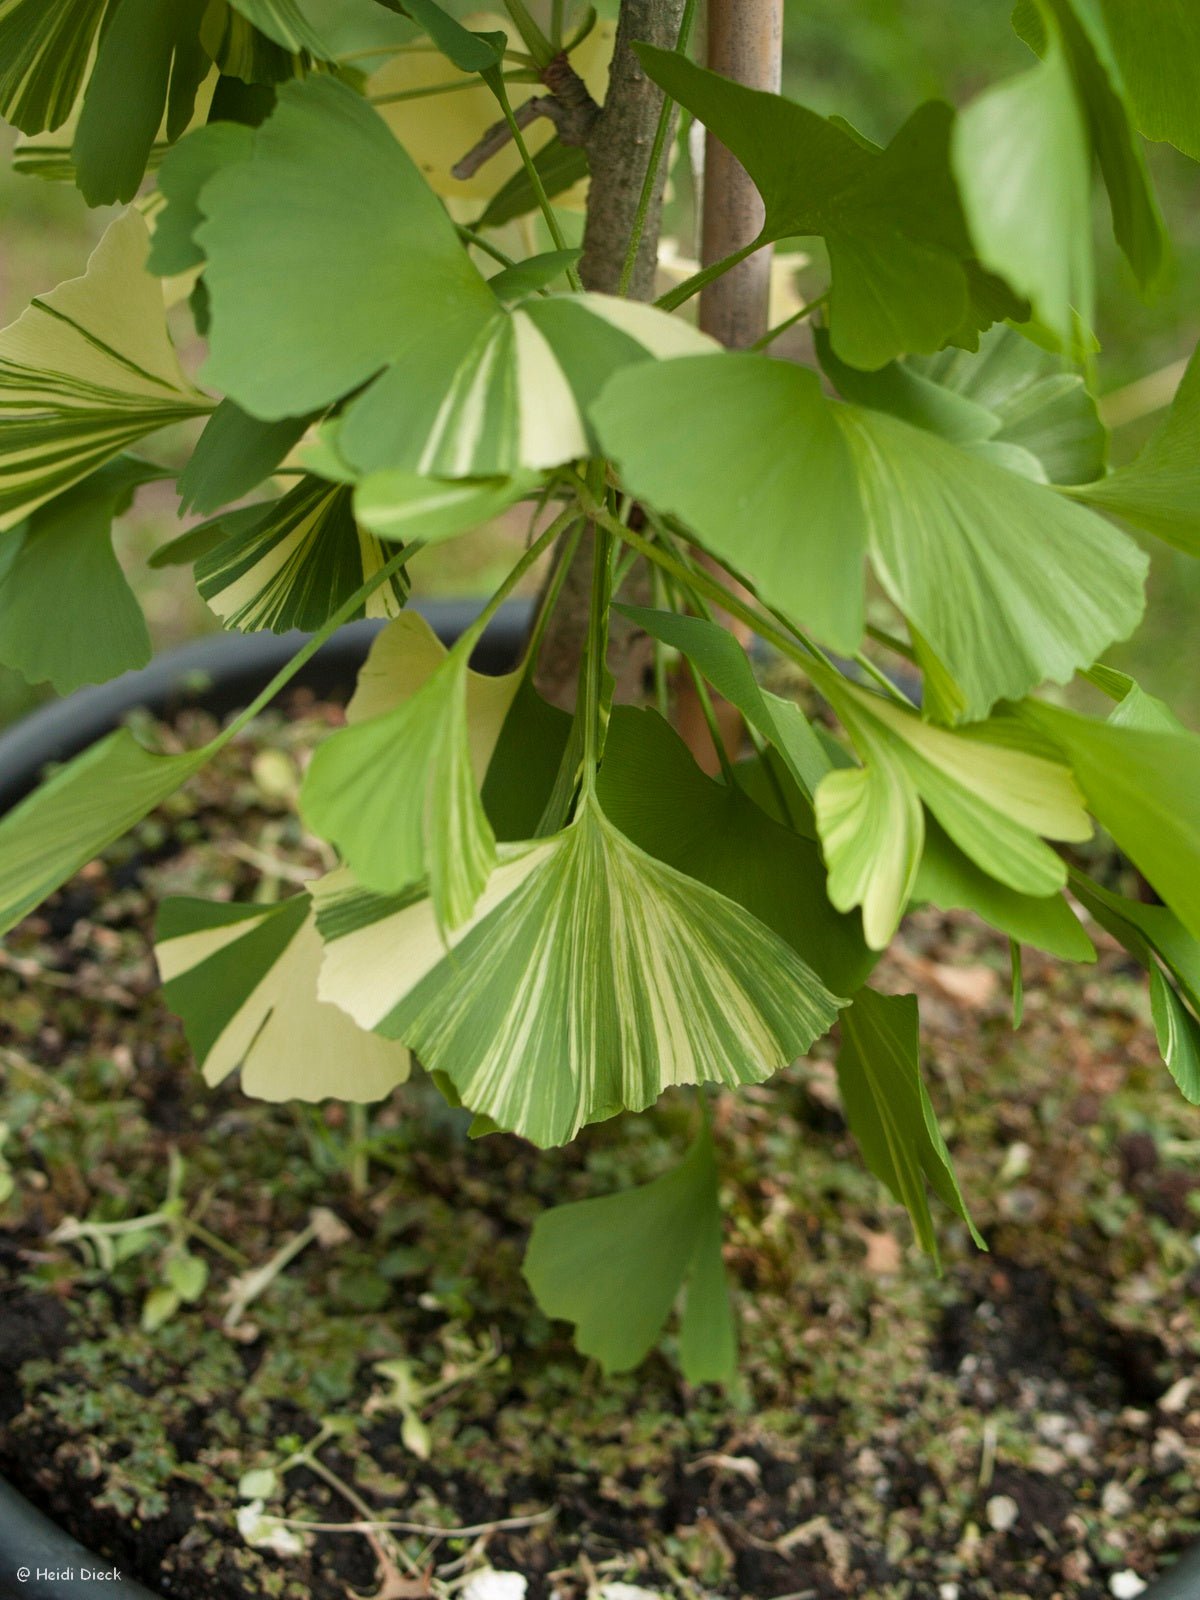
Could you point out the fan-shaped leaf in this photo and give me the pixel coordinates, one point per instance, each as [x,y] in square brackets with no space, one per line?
[589,979]
[614,1267]
[45,46]
[296,564]
[1157,43]
[244,981]
[86,371]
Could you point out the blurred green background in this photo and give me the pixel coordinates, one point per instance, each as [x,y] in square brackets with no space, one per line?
[869,60]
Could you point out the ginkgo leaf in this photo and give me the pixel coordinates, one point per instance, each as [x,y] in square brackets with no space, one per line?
[1100,84]
[590,978]
[1023,161]
[1160,489]
[45,47]
[185,169]
[149,65]
[1135,708]
[244,981]
[1040,406]
[329,257]
[719,657]
[404,506]
[296,564]
[1003,581]
[652,790]
[1155,936]
[1143,787]
[614,1267]
[517,398]
[64,566]
[889,1110]
[250,63]
[79,811]
[948,878]
[397,793]
[405,655]
[996,801]
[748,453]
[233,455]
[86,371]
[898,244]
[1157,43]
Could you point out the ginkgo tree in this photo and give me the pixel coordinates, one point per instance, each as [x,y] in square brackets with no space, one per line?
[419,249]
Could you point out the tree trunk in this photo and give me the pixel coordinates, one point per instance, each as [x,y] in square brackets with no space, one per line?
[745,39]
[618,149]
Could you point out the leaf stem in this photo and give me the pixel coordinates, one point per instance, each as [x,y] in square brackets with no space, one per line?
[470,236]
[790,322]
[591,688]
[496,83]
[535,40]
[428,90]
[684,291]
[656,151]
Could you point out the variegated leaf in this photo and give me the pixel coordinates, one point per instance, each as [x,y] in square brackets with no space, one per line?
[590,978]
[396,792]
[997,802]
[86,371]
[517,398]
[45,46]
[297,564]
[244,981]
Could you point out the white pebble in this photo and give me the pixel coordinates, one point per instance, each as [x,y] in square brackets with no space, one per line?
[492,1585]
[1125,1585]
[1002,1512]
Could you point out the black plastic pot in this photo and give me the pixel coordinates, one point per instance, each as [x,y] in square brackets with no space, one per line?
[221,674]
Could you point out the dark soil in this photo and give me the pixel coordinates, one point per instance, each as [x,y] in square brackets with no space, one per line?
[1024,1427]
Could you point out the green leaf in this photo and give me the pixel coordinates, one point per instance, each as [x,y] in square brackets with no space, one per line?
[296,563]
[1160,490]
[1038,405]
[898,244]
[614,1267]
[404,506]
[85,372]
[78,812]
[159,1306]
[528,277]
[188,1276]
[146,47]
[1001,580]
[185,169]
[1157,43]
[715,653]
[65,567]
[517,398]
[997,802]
[469,52]
[250,65]
[948,878]
[748,453]
[1143,787]
[1155,936]
[590,978]
[189,546]
[889,1110]
[396,791]
[233,455]
[45,46]
[1137,223]
[329,257]
[244,981]
[560,167]
[652,790]
[1022,157]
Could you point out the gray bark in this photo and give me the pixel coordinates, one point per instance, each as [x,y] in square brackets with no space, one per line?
[618,147]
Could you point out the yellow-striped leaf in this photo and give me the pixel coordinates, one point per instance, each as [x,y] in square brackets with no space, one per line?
[244,981]
[45,46]
[85,372]
[296,564]
[590,978]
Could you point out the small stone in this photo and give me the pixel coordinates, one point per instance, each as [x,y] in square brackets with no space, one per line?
[1116,1501]
[492,1585]
[947,1591]
[1176,1397]
[1003,1512]
[1125,1585]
